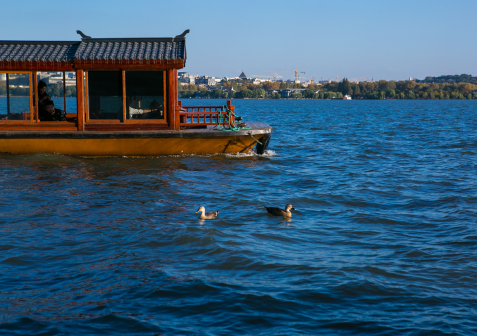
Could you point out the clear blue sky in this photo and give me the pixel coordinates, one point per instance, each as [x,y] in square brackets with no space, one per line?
[377,39]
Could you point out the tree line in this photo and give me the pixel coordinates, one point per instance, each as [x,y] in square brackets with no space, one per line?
[450,79]
[246,89]
[53,90]
[404,90]
[364,90]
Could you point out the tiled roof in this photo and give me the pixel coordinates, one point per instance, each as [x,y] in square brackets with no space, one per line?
[130,49]
[37,51]
[94,49]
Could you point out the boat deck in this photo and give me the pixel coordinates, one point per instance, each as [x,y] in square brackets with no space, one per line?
[208,131]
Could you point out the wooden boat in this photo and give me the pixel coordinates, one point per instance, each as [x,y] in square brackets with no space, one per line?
[126,101]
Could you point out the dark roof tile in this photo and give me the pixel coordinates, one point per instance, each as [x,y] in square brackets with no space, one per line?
[130,50]
[35,51]
[94,49]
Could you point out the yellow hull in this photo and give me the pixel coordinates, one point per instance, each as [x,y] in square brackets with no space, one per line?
[129,146]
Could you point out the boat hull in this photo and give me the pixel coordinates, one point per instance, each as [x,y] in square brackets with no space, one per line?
[148,143]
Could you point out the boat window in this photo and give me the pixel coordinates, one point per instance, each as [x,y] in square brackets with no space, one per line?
[105,95]
[144,95]
[71,106]
[60,88]
[14,96]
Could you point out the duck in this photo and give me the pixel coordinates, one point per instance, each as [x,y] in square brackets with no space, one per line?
[280,212]
[208,215]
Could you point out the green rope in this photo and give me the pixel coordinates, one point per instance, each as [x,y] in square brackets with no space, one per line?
[231,124]
[256,139]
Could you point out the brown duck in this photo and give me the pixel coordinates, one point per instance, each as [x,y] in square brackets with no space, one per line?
[280,212]
[208,215]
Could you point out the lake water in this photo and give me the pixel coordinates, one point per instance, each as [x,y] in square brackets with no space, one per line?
[19,104]
[384,241]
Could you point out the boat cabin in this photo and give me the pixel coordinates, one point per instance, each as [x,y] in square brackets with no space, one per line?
[118,84]
[109,96]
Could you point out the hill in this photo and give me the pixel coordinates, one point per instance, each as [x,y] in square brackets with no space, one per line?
[451,79]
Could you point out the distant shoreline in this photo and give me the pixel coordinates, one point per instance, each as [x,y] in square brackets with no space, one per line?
[406,99]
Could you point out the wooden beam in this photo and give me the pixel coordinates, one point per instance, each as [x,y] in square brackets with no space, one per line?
[80,98]
[171,95]
[36,66]
[32,96]
[8,95]
[43,126]
[165,105]
[176,99]
[151,67]
[64,89]
[86,95]
[124,94]
[126,127]
[35,81]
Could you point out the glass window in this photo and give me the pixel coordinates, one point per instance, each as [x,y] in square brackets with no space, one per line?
[144,95]
[50,86]
[105,95]
[14,96]
[71,92]
[54,89]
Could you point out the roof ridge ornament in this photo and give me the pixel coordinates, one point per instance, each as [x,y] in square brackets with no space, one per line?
[184,33]
[83,36]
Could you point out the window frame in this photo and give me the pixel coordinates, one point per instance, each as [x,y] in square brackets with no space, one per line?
[37,113]
[30,84]
[123,86]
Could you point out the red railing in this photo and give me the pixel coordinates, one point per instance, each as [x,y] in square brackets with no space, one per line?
[191,116]
[18,116]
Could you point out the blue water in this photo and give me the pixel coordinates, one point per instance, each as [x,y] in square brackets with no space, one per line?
[384,241]
[20,104]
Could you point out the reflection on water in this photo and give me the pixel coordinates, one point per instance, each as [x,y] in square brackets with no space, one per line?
[383,243]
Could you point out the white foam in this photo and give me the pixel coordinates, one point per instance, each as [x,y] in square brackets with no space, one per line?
[268,153]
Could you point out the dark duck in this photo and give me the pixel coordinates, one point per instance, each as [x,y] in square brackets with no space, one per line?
[280,212]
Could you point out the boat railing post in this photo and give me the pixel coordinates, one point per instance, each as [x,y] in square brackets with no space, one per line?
[232,109]
[178,112]
[178,116]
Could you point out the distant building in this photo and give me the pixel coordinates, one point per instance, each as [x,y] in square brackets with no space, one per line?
[185,78]
[226,79]
[205,80]
[226,88]
[286,93]
[257,80]
[243,76]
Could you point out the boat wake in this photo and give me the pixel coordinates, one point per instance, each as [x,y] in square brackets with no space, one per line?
[268,153]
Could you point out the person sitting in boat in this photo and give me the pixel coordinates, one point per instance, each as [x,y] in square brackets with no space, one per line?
[131,112]
[51,113]
[42,96]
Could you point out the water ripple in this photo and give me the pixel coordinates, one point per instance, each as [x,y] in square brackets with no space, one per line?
[383,242]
